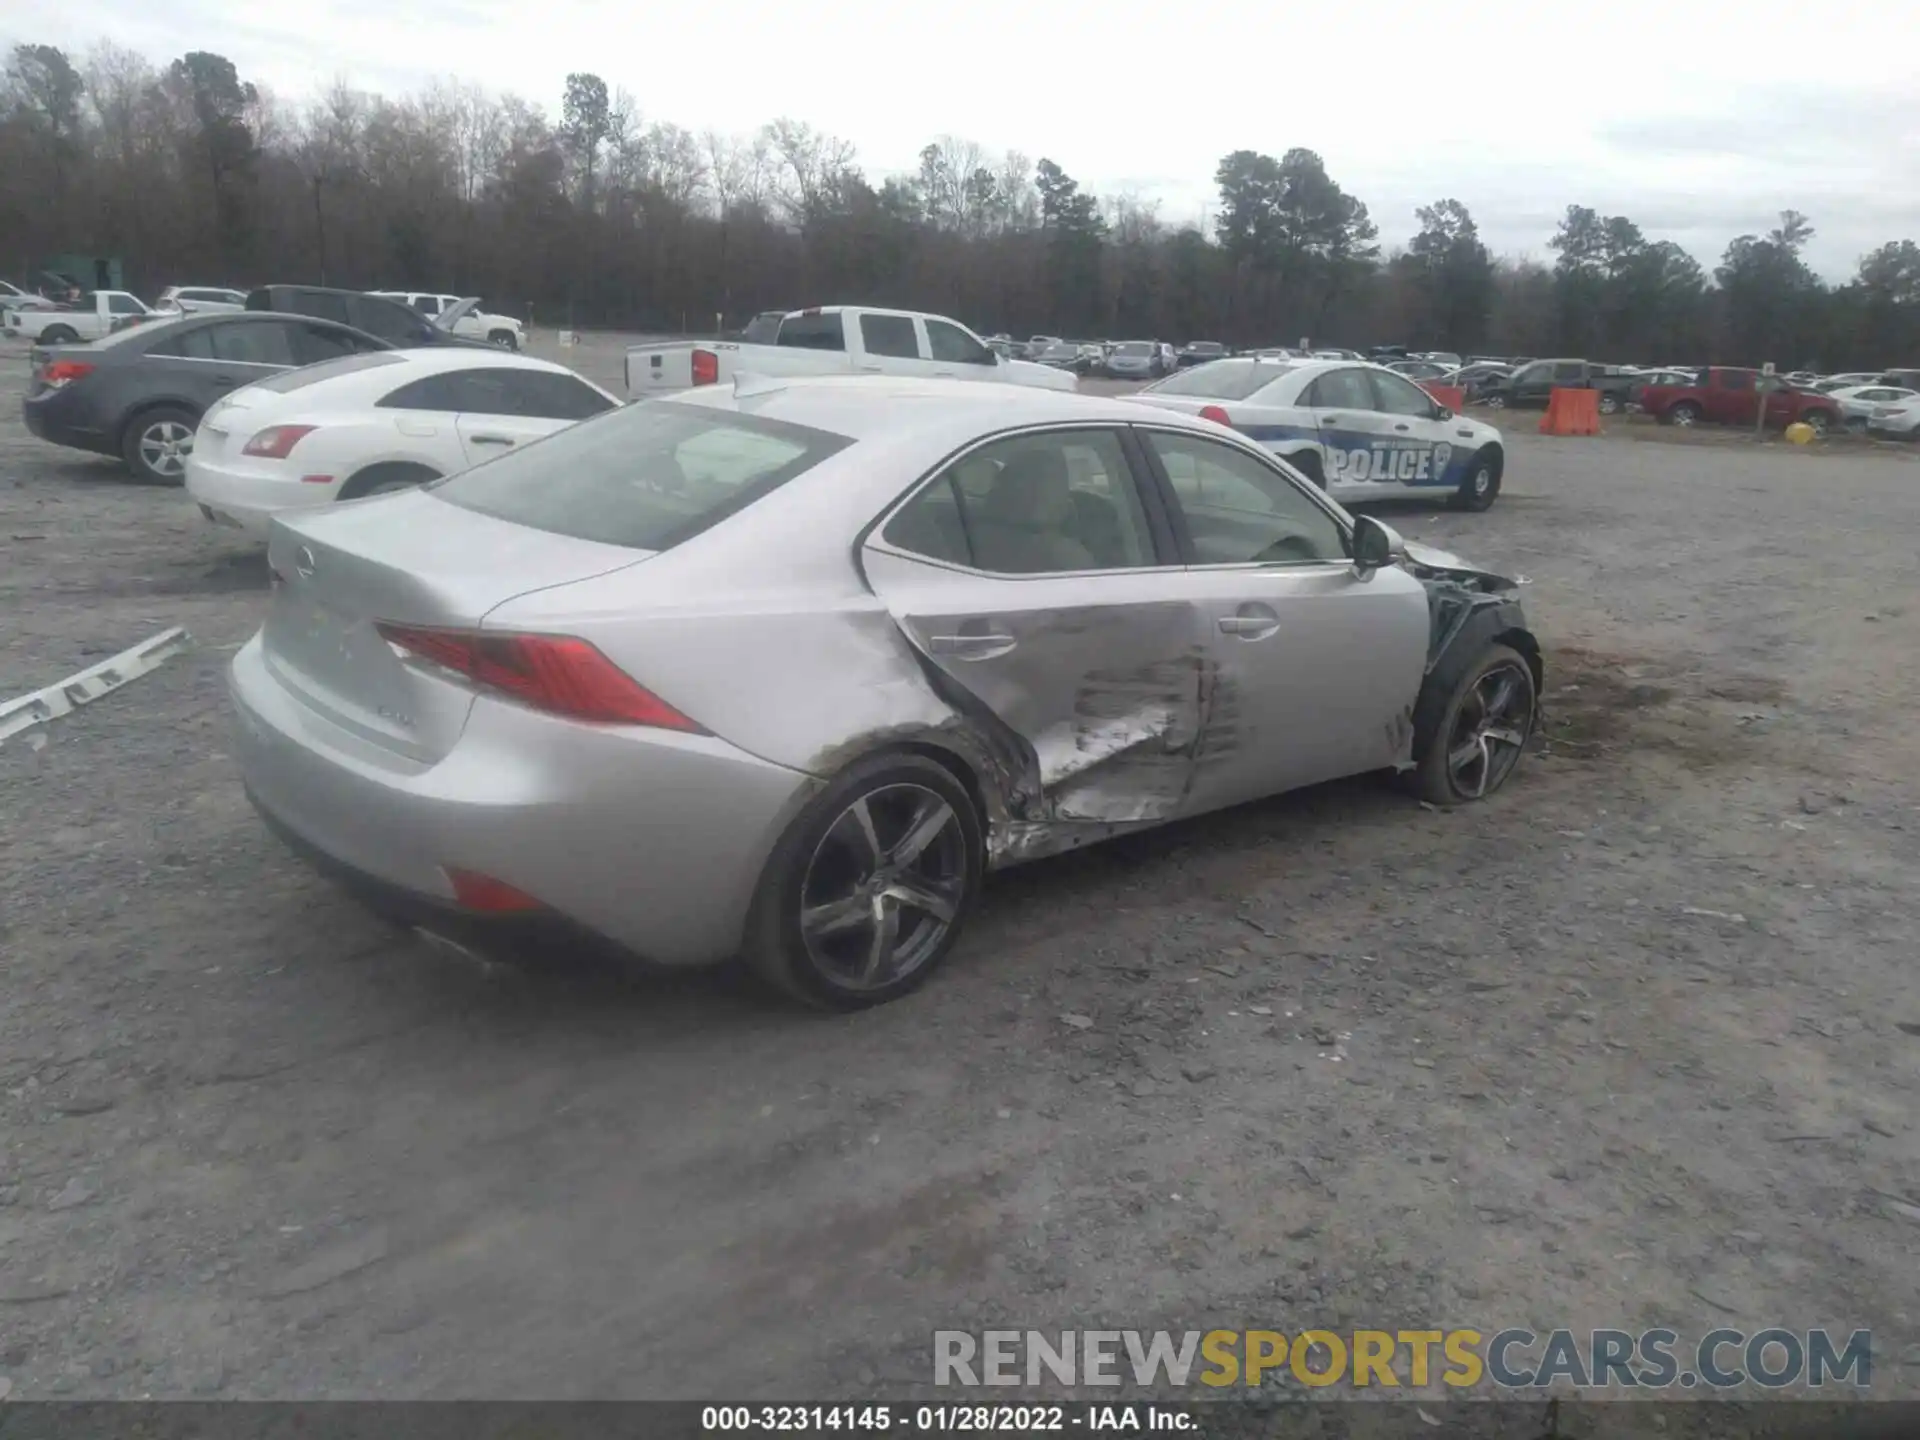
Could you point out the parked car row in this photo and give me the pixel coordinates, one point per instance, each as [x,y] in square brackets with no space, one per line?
[139,392]
[484,686]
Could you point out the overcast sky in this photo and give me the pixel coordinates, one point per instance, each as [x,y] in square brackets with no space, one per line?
[1698,120]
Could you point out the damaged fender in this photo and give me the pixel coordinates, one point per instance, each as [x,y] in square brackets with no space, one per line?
[1470,610]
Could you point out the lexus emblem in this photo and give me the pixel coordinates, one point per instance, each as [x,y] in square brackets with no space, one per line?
[303,562]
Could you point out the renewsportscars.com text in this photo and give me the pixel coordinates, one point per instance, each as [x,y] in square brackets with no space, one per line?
[1510,1359]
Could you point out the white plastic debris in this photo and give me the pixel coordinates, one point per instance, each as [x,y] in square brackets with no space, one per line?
[86,686]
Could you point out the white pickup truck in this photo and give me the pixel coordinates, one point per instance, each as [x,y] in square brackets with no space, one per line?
[97,313]
[836,340]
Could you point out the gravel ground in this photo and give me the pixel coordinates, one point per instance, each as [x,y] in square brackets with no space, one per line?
[1636,1043]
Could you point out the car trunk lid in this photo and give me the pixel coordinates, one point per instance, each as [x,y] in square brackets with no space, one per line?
[404,560]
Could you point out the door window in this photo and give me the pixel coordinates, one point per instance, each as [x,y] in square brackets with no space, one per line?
[1341,390]
[1736,380]
[1396,396]
[427,304]
[265,342]
[1570,370]
[545,395]
[889,335]
[952,345]
[389,320]
[124,305]
[1239,510]
[312,302]
[1529,375]
[1032,505]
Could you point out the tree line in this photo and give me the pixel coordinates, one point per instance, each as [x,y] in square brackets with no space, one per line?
[595,215]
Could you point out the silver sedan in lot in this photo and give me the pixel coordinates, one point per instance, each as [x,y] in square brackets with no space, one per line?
[782,670]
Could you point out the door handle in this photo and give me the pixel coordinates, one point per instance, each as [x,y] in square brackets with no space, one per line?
[491,440]
[971,647]
[225,380]
[1249,627]
[874,368]
[1330,419]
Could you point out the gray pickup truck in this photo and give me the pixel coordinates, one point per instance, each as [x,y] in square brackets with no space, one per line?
[1529,386]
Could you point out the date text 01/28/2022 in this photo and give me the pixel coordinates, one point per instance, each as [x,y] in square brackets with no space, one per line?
[942,1419]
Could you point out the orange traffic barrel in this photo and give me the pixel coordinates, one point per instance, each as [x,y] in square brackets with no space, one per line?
[1571,412]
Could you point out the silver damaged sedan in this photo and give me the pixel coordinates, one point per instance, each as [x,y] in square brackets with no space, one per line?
[781,670]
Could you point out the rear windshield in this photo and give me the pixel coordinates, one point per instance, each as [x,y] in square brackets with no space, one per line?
[1133,347]
[327,369]
[1222,379]
[648,476]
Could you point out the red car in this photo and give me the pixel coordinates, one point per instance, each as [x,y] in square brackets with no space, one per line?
[1725,396]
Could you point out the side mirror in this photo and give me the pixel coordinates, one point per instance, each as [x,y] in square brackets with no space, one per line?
[1374,545]
[1441,412]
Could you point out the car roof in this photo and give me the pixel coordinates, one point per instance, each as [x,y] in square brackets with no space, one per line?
[434,359]
[876,407]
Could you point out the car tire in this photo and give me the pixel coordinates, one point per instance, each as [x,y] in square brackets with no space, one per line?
[1480,486]
[1857,425]
[1609,404]
[1684,414]
[1478,709]
[845,862]
[504,339]
[1819,422]
[1495,401]
[59,335]
[156,443]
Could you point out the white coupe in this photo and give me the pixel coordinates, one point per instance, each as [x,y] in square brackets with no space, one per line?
[368,424]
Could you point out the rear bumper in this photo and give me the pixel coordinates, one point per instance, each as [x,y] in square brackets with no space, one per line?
[249,502]
[652,840]
[510,935]
[62,418]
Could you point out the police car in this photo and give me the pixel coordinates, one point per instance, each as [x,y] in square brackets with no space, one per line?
[1359,431]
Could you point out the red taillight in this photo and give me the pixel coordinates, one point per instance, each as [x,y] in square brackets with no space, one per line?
[64,372]
[276,442]
[474,891]
[706,368]
[1215,414]
[556,673]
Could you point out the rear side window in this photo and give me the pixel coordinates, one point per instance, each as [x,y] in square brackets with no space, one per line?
[647,476]
[889,335]
[300,379]
[1340,390]
[813,332]
[1222,379]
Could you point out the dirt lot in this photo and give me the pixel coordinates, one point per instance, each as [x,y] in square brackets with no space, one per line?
[1636,1043]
